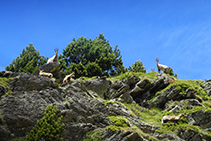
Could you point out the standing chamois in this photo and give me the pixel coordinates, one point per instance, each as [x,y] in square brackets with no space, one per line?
[68,77]
[54,58]
[164,68]
[174,119]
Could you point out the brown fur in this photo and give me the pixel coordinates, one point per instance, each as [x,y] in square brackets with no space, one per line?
[174,119]
[160,67]
[54,58]
[46,74]
[68,77]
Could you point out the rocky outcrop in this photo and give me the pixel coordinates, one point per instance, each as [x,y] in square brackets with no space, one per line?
[146,89]
[207,87]
[52,68]
[84,107]
[173,93]
[200,118]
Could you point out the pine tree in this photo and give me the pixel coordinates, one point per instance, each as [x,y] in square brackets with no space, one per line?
[137,67]
[48,128]
[28,61]
[91,57]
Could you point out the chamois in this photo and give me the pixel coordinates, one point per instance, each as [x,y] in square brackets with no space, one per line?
[174,119]
[46,74]
[54,58]
[68,77]
[164,68]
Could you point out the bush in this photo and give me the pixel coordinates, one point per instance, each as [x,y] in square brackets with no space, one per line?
[48,128]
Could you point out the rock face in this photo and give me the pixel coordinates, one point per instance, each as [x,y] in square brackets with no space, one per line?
[146,89]
[83,107]
[52,68]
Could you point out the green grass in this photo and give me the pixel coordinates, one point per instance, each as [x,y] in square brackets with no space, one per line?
[94,135]
[119,121]
[183,85]
[124,76]
[4,82]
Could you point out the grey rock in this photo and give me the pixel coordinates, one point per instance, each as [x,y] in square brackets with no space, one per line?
[200,118]
[28,82]
[8,74]
[122,136]
[99,86]
[175,109]
[189,135]
[146,89]
[131,81]
[172,93]
[82,105]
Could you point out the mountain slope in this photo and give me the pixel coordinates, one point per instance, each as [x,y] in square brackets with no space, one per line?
[126,107]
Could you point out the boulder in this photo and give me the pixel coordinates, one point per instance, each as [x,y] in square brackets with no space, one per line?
[99,86]
[207,87]
[146,89]
[29,82]
[52,68]
[172,93]
[8,74]
[189,135]
[200,118]
[131,81]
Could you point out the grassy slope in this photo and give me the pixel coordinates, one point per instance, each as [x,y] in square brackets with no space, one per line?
[153,116]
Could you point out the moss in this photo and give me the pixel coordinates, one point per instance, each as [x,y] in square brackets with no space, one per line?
[19,139]
[127,75]
[112,128]
[4,82]
[94,135]
[183,85]
[9,92]
[107,102]
[86,78]
[119,121]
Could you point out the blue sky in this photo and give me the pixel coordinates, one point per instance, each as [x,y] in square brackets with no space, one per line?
[176,31]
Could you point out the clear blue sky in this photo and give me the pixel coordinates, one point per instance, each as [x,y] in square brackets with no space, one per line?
[176,31]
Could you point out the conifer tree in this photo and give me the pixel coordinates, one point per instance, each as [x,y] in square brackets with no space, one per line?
[28,61]
[91,57]
[48,128]
[137,67]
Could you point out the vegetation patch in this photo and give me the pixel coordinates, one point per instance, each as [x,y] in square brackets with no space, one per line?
[4,82]
[127,75]
[49,127]
[119,121]
[9,92]
[94,135]
[112,128]
[183,85]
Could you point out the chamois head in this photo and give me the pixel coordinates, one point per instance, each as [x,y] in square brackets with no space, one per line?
[182,115]
[56,50]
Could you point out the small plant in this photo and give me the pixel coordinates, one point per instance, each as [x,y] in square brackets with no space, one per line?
[119,121]
[8,93]
[48,128]
[94,135]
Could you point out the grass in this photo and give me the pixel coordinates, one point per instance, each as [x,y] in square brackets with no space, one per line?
[183,85]
[153,116]
[94,135]
[119,121]
[124,76]
[4,82]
